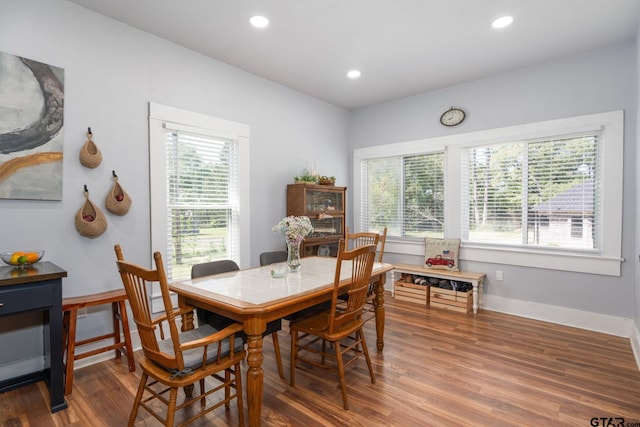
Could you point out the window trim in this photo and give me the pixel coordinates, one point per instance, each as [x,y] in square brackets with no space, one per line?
[163,117]
[606,262]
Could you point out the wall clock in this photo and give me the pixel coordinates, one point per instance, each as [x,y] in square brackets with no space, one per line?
[452,117]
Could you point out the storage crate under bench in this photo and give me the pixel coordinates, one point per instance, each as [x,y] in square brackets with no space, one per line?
[411,292]
[443,298]
[451,300]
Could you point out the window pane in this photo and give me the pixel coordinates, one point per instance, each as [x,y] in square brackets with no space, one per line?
[561,192]
[424,195]
[381,196]
[547,185]
[494,197]
[202,216]
[404,194]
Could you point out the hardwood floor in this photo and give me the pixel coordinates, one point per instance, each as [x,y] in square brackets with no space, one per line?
[438,368]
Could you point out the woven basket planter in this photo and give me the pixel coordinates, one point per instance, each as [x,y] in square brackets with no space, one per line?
[90,155]
[117,201]
[90,220]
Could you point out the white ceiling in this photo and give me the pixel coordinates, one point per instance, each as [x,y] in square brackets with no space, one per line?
[402,47]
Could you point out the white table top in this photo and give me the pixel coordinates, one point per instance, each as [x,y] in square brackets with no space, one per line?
[256,286]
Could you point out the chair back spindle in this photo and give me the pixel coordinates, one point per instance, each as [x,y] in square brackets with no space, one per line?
[137,280]
[355,240]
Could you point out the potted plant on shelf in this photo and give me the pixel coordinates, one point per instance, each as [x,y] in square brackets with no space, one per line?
[327,180]
[306,178]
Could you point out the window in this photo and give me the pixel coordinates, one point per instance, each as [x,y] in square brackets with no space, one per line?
[199,178]
[545,195]
[538,193]
[202,196]
[404,194]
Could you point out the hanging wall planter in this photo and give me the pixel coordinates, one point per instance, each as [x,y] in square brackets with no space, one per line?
[90,155]
[117,201]
[90,220]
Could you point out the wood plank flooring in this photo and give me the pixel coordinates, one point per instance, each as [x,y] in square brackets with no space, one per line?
[438,368]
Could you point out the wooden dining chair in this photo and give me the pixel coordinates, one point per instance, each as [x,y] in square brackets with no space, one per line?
[273,257]
[342,328]
[354,240]
[182,359]
[218,321]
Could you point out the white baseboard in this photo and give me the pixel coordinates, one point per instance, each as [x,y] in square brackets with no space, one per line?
[635,343]
[612,325]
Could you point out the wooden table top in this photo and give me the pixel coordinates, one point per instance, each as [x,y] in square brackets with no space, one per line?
[37,272]
[255,290]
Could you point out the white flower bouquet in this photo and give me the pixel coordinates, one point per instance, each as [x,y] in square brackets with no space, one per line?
[294,228]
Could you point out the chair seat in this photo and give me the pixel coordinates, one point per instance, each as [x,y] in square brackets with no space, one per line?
[317,325]
[193,358]
[308,312]
[149,367]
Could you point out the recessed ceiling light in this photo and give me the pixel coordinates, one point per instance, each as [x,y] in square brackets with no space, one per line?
[503,21]
[259,21]
[353,74]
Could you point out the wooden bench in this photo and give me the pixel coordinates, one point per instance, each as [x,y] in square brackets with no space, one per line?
[476,279]
[70,307]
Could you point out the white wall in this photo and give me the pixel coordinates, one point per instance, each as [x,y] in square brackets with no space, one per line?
[636,336]
[112,71]
[591,83]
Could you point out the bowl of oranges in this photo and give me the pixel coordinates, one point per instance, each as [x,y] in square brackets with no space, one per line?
[21,258]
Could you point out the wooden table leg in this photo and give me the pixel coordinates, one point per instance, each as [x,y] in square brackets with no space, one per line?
[255,378]
[378,306]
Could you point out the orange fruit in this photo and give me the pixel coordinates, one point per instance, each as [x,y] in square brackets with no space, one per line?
[32,256]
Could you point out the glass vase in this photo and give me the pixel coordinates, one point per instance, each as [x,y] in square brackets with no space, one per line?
[293,256]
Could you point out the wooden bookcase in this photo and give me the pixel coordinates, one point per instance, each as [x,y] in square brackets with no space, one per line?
[325,207]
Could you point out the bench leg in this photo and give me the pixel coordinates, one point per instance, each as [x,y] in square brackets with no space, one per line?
[71,316]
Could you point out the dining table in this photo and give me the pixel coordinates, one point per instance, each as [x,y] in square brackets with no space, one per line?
[253,297]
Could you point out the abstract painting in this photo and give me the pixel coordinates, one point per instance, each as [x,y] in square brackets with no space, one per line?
[31,129]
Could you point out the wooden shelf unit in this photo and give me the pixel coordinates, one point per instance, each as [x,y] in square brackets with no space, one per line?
[325,207]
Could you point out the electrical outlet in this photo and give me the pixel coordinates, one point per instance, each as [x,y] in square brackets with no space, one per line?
[82,312]
[499,275]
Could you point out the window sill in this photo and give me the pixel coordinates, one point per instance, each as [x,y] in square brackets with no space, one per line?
[581,263]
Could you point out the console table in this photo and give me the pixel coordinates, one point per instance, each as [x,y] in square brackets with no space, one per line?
[38,288]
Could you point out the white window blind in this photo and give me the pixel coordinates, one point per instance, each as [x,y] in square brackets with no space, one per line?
[404,194]
[202,200]
[537,193]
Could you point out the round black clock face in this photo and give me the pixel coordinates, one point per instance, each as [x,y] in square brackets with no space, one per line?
[452,117]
